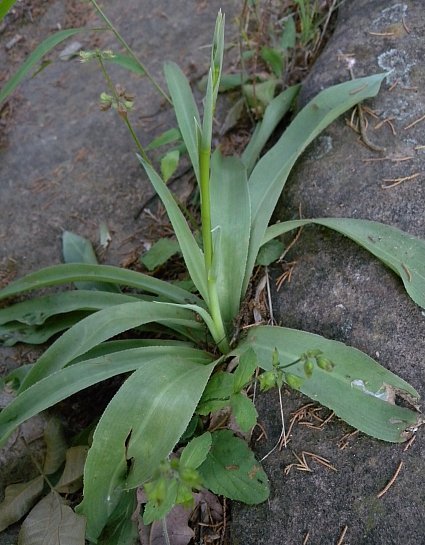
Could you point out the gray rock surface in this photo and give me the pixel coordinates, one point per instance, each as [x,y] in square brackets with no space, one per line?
[341,292]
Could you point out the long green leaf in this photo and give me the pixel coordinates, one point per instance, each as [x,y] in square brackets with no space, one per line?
[231,220]
[66,382]
[5,6]
[273,114]
[46,46]
[74,272]
[126,62]
[358,390]
[186,111]
[192,254]
[401,252]
[138,429]
[37,311]
[271,172]
[99,327]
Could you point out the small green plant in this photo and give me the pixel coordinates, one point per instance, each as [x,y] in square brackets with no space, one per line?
[175,385]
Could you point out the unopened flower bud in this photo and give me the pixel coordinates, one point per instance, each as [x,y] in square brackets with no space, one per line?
[324,363]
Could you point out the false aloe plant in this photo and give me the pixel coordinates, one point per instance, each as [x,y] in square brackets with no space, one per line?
[173,386]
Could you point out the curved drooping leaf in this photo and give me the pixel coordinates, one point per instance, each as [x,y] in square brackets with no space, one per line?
[185,109]
[358,389]
[192,254]
[400,251]
[66,382]
[103,325]
[77,272]
[231,470]
[47,45]
[230,222]
[271,172]
[52,522]
[37,311]
[273,114]
[127,445]
[18,500]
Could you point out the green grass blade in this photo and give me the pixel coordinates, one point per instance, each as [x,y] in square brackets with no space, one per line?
[271,172]
[192,254]
[101,326]
[126,62]
[75,272]
[351,390]
[37,311]
[66,382]
[127,448]
[273,114]
[5,6]
[231,221]
[186,110]
[400,251]
[46,46]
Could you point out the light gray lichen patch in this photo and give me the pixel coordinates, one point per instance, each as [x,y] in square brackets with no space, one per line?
[398,64]
[390,15]
[321,147]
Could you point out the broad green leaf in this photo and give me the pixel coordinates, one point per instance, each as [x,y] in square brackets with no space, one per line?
[18,500]
[77,249]
[195,452]
[52,522]
[46,46]
[55,446]
[244,411]
[5,6]
[167,137]
[74,272]
[126,62]
[169,164]
[289,34]
[245,370]
[160,253]
[273,115]
[271,172]
[37,311]
[121,528]
[71,479]
[358,389]
[217,393]
[230,221]
[231,470]
[270,252]
[400,251]
[192,254]
[15,332]
[101,326]
[126,444]
[185,109]
[274,58]
[66,382]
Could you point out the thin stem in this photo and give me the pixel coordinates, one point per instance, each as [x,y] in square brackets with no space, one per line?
[204,168]
[165,531]
[130,51]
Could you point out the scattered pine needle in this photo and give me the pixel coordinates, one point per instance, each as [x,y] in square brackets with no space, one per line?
[409,443]
[342,536]
[393,182]
[306,538]
[414,122]
[391,481]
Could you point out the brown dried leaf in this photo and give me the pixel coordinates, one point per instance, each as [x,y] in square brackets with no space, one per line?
[18,500]
[179,532]
[72,477]
[56,446]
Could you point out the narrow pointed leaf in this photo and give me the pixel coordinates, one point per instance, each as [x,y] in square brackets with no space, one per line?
[195,452]
[192,254]
[18,500]
[126,62]
[126,445]
[185,109]
[231,470]
[231,219]
[99,327]
[400,251]
[52,522]
[47,45]
[358,389]
[271,172]
[74,272]
[5,6]
[273,115]
[66,382]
